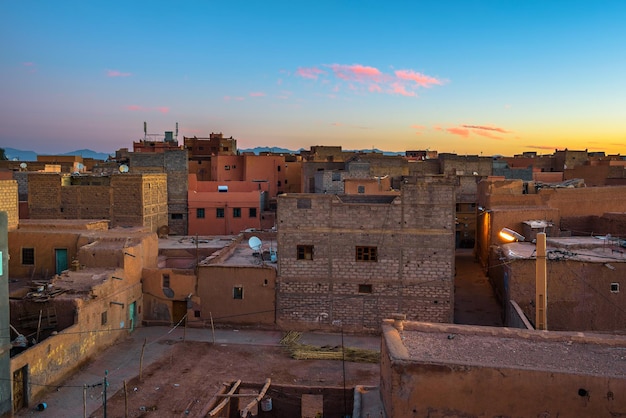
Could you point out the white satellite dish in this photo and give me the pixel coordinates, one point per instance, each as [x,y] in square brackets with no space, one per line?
[255,243]
[123,168]
[23,165]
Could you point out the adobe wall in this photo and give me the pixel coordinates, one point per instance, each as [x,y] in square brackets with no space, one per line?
[9,202]
[215,290]
[413,274]
[139,200]
[579,293]
[412,386]
[423,168]
[5,334]
[54,359]
[158,306]
[44,244]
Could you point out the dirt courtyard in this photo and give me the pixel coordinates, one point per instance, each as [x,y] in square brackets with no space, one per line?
[181,383]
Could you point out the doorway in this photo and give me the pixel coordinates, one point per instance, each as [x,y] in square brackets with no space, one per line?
[131,316]
[60,256]
[179,310]
[20,388]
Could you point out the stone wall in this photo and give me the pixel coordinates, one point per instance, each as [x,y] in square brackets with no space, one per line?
[413,273]
[9,201]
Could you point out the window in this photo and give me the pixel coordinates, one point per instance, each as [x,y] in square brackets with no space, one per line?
[234,166]
[365,288]
[196,314]
[200,213]
[278,183]
[304,203]
[285,181]
[252,212]
[103,318]
[360,189]
[177,216]
[278,167]
[336,176]
[166,280]
[305,252]
[614,287]
[219,212]
[366,254]
[238,292]
[226,167]
[236,212]
[28,256]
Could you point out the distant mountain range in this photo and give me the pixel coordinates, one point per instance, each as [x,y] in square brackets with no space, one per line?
[21,155]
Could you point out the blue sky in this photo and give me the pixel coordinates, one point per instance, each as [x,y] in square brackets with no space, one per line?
[471,77]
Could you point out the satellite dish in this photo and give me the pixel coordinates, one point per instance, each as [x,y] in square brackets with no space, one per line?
[23,165]
[123,168]
[255,243]
[167,291]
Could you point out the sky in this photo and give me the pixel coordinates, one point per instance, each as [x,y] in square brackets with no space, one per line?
[468,77]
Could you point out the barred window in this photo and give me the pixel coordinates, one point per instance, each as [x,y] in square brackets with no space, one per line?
[366,254]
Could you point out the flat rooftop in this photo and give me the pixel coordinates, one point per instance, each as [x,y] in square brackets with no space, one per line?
[563,352]
[588,249]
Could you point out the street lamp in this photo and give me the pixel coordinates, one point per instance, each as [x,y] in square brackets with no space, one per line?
[509,235]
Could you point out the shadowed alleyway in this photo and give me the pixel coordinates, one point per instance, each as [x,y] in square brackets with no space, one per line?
[474,299]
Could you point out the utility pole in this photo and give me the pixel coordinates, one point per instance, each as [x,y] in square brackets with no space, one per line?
[541,284]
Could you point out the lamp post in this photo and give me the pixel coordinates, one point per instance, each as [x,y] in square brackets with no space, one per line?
[541,284]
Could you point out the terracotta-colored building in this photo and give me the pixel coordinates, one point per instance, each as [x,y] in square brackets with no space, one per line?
[225,282]
[441,370]
[225,208]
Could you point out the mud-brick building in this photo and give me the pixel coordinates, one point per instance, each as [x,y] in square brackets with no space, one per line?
[69,317]
[443,370]
[354,260]
[9,201]
[126,199]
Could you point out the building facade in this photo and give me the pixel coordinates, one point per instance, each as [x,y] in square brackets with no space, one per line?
[354,260]
[125,199]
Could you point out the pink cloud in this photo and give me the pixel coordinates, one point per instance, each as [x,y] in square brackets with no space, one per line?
[336,124]
[28,64]
[115,73]
[356,72]
[486,128]
[135,108]
[459,131]
[398,88]
[361,79]
[234,98]
[257,94]
[163,109]
[419,78]
[311,73]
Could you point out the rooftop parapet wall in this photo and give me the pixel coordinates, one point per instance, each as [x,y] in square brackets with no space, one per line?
[564,374]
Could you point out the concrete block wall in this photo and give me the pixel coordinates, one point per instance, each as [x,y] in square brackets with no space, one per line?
[175,164]
[413,274]
[9,202]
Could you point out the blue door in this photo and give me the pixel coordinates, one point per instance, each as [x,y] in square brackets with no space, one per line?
[131,317]
[60,256]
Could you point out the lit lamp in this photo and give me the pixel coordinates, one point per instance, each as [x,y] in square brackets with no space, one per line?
[509,235]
